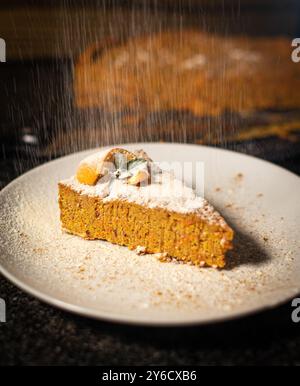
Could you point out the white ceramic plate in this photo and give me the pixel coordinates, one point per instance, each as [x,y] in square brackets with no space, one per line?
[101,280]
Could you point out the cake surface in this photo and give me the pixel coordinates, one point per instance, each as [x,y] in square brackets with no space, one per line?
[130,201]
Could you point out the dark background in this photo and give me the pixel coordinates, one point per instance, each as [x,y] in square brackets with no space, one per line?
[36,102]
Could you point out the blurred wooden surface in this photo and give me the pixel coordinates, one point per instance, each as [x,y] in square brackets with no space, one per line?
[45,31]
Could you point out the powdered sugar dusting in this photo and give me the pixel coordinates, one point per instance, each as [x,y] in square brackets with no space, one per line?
[164,191]
[169,193]
[112,282]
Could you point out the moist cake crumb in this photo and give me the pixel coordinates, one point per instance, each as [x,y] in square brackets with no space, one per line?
[140,250]
[163,216]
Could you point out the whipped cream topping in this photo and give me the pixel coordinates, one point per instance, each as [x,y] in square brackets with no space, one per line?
[162,190]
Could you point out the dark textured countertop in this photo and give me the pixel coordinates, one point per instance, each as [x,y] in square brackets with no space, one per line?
[37,334]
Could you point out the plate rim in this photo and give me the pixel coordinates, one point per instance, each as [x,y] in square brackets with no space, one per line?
[126,319]
[133,321]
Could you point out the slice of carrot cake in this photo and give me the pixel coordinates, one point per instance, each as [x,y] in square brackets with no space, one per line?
[125,198]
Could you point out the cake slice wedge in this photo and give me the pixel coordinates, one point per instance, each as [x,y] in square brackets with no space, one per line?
[123,197]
